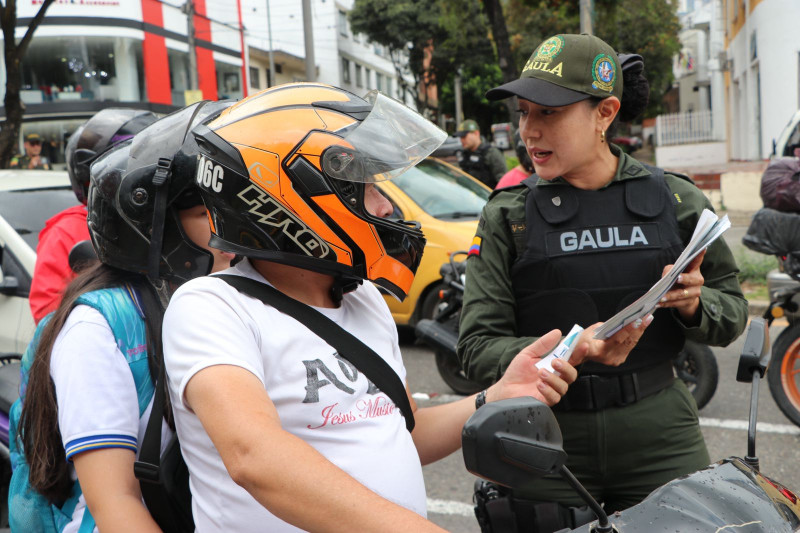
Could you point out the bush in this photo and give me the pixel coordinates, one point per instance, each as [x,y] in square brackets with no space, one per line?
[511,162]
[754,267]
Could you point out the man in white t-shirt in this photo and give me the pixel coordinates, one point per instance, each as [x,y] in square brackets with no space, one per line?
[280,432]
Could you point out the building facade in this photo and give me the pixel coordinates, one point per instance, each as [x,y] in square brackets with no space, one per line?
[763,76]
[91,54]
[341,58]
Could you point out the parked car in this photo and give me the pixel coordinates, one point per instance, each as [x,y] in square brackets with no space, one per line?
[449,150]
[28,198]
[447,203]
[629,144]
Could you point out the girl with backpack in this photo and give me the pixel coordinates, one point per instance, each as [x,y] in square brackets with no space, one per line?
[88,376]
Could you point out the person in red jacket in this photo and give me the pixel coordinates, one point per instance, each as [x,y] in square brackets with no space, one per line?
[52,272]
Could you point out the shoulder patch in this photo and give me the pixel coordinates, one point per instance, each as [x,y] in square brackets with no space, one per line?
[475,247]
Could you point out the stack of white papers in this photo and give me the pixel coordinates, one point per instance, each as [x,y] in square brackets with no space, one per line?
[709,227]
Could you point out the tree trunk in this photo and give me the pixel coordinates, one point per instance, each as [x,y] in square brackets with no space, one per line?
[494,12]
[9,129]
[14,52]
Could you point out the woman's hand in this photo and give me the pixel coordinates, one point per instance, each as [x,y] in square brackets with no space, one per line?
[522,378]
[684,297]
[614,350]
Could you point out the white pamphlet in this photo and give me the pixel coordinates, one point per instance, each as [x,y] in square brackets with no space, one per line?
[708,229]
[563,350]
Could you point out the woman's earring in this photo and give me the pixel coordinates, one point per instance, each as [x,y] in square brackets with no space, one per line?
[603,136]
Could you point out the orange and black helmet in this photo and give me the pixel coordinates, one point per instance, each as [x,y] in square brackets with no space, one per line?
[283,173]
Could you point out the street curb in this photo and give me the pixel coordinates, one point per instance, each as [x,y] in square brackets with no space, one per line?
[757,307]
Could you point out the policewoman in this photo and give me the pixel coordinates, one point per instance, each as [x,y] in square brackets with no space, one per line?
[580,239]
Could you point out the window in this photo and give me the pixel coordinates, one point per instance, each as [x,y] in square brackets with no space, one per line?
[82,68]
[255,81]
[228,80]
[278,68]
[379,81]
[342,23]
[378,49]
[356,37]
[367,76]
[389,85]
[359,76]
[345,70]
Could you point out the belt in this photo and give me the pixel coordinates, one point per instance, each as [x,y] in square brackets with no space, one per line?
[593,392]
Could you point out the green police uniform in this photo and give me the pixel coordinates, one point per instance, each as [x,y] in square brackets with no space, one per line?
[24,162]
[486,163]
[620,453]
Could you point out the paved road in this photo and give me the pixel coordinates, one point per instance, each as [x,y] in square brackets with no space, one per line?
[724,422]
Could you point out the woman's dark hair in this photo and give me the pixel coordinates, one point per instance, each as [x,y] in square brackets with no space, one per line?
[39,431]
[635,91]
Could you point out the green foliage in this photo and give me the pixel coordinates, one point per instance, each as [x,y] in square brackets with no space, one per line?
[646,27]
[453,32]
[754,267]
[476,80]
[511,162]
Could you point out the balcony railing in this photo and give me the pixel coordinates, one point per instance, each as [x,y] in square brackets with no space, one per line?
[685,128]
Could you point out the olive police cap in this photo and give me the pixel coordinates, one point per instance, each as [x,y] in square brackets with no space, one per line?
[565,69]
[466,127]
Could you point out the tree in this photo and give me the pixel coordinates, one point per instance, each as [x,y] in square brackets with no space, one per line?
[14,52]
[494,12]
[430,39]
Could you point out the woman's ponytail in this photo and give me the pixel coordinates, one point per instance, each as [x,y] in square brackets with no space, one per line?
[635,87]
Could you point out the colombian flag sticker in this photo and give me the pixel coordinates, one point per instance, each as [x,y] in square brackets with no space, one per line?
[475,248]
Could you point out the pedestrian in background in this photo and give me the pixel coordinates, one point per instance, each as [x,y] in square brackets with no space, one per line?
[522,170]
[33,158]
[588,235]
[479,158]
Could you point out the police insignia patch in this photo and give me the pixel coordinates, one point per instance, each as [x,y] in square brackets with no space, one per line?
[549,49]
[475,247]
[604,73]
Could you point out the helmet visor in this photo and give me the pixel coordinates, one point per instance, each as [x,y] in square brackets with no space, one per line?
[389,141]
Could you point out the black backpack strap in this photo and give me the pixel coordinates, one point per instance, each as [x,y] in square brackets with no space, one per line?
[163,478]
[165,487]
[363,357]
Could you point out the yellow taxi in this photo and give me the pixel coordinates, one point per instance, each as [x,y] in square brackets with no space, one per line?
[447,203]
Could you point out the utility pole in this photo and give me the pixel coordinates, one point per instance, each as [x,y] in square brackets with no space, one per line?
[271,80]
[586,16]
[188,9]
[457,90]
[308,32]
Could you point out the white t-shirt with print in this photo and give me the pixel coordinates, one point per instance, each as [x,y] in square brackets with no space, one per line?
[320,397]
[97,402]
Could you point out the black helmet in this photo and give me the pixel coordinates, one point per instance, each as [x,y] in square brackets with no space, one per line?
[522,153]
[104,130]
[283,176]
[136,191]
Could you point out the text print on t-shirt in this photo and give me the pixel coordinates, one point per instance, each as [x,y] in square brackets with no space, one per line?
[376,405]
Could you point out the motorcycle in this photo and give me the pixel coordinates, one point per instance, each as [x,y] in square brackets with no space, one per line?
[777,233]
[510,441]
[695,364]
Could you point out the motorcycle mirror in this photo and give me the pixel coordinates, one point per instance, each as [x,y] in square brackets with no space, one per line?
[755,353]
[512,441]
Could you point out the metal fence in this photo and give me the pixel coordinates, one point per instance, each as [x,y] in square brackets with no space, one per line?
[684,128]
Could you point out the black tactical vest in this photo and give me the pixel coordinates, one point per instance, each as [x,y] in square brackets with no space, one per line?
[474,164]
[589,254]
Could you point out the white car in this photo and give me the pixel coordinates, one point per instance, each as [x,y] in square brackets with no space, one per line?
[28,198]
